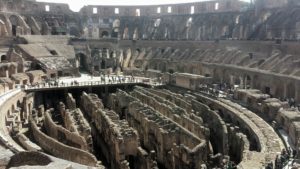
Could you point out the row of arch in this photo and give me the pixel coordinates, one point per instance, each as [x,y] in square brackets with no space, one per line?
[267,83]
[11,25]
[19,5]
[275,85]
[198,27]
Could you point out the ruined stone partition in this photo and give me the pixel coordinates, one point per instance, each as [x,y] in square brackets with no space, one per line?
[175,98]
[170,110]
[61,150]
[90,103]
[162,135]
[250,46]
[32,157]
[260,103]
[63,135]
[272,109]
[288,119]
[70,102]
[74,121]
[117,138]
[146,121]
[262,137]
[294,133]
[233,116]
[239,145]
[119,101]
[9,118]
[218,130]
[146,159]
[27,144]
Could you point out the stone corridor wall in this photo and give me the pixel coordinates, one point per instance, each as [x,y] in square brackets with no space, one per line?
[63,135]
[118,137]
[61,150]
[172,111]
[218,129]
[160,134]
[156,127]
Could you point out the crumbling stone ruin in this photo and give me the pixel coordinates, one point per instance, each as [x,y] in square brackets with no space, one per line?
[203,85]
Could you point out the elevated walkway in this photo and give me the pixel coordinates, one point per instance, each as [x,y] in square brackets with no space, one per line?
[72,83]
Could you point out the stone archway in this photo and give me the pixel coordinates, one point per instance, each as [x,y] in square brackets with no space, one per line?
[3,58]
[290,90]
[103,64]
[248,82]
[10,6]
[74,31]
[12,69]
[13,108]
[81,61]
[162,66]
[14,20]
[104,34]
[19,104]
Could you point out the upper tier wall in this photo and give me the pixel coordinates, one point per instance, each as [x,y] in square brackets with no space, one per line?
[27,6]
[33,7]
[168,9]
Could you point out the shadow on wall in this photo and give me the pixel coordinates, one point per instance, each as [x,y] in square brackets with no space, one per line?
[29,159]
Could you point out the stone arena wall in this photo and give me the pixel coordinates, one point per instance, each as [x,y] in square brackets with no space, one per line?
[148,122]
[174,98]
[238,118]
[217,126]
[238,144]
[262,138]
[70,102]
[152,10]
[173,112]
[6,108]
[155,129]
[117,138]
[70,138]
[61,150]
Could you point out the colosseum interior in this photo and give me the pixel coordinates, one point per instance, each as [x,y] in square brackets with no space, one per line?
[204,85]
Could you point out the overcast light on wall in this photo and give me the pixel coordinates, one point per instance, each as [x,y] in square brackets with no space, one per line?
[75,5]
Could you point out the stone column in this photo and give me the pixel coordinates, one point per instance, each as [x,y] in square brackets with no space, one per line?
[246,82]
[41,111]
[284,90]
[231,80]
[297,92]
[6,73]
[107,54]
[241,82]
[252,82]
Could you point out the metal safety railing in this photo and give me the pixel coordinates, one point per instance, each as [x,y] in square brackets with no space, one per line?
[52,85]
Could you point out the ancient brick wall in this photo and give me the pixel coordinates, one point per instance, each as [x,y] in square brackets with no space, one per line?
[156,133]
[171,111]
[61,150]
[117,137]
[217,126]
[70,102]
[63,135]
